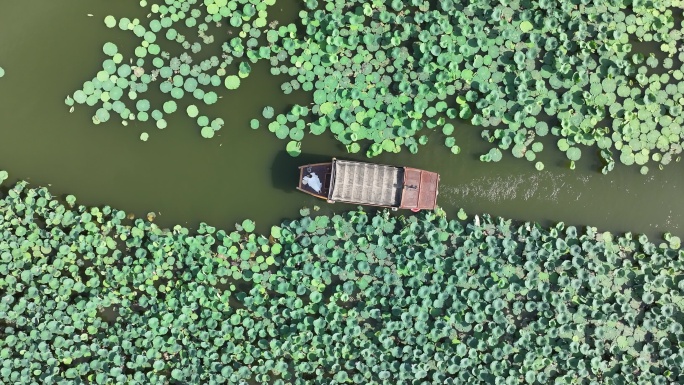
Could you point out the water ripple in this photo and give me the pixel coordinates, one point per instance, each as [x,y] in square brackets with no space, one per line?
[541,186]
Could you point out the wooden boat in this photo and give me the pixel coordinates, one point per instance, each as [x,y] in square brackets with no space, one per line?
[370,184]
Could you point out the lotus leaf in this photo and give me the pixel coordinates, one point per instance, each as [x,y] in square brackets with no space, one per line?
[244,69]
[232,82]
[192,111]
[109,49]
[210,98]
[248,225]
[526,26]
[268,112]
[142,105]
[326,108]
[293,148]
[282,131]
[207,132]
[170,107]
[177,93]
[573,153]
[110,21]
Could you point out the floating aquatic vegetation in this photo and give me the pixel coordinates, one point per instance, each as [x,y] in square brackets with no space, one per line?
[294,148]
[254,124]
[268,112]
[87,295]
[462,214]
[232,82]
[118,89]
[381,75]
[2,72]
[383,72]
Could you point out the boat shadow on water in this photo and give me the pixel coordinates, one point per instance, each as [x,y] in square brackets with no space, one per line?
[285,169]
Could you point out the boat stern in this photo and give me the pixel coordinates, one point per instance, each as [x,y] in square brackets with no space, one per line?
[420,189]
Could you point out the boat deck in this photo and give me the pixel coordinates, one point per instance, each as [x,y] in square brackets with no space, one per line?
[420,189]
[366,183]
[324,172]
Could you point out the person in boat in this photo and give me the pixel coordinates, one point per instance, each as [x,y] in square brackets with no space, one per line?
[313,181]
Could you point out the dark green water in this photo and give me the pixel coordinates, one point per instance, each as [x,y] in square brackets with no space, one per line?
[245,173]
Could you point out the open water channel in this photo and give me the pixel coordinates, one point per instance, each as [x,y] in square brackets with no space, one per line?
[49,48]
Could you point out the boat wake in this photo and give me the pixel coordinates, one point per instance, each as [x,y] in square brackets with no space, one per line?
[541,186]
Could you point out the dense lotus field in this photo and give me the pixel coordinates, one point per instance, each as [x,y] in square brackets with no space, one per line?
[88,295]
[389,75]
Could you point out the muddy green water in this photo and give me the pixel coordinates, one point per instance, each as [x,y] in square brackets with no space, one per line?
[49,49]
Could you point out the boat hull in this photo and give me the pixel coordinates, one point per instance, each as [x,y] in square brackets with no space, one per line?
[370,184]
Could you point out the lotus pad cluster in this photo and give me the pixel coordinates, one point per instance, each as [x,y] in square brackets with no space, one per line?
[383,71]
[121,86]
[89,296]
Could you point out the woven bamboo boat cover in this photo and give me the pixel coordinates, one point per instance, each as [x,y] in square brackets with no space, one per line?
[366,183]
